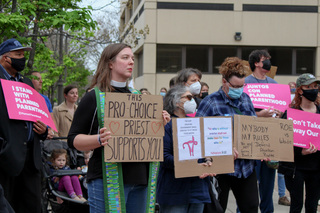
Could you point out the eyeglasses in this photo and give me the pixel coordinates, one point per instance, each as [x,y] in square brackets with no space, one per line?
[189,97]
[236,87]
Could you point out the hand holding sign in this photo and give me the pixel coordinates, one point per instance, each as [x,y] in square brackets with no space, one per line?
[265,113]
[39,127]
[312,149]
[166,117]
[104,136]
[206,175]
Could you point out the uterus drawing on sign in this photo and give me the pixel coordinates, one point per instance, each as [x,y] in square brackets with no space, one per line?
[191,145]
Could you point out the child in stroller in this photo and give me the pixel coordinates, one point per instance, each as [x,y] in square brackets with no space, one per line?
[54,200]
[71,184]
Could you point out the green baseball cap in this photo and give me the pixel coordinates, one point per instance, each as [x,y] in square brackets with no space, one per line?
[306,79]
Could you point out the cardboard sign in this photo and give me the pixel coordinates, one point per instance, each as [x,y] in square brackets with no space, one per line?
[306,128]
[136,125]
[271,73]
[25,103]
[263,96]
[259,138]
[201,137]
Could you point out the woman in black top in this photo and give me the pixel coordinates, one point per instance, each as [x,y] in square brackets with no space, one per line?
[306,166]
[114,68]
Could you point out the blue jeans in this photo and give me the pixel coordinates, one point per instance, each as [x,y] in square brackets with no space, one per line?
[96,196]
[265,176]
[135,196]
[281,185]
[187,208]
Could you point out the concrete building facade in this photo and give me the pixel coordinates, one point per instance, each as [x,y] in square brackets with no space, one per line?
[175,34]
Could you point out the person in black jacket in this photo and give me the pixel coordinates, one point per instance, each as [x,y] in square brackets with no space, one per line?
[306,167]
[114,68]
[20,154]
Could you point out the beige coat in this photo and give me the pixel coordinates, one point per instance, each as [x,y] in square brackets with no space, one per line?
[62,119]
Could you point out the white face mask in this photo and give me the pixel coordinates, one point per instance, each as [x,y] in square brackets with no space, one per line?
[190,106]
[195,88]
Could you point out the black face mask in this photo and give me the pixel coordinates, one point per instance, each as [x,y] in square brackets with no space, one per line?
[310,94]
[18,63]
[266,64]
[204,94]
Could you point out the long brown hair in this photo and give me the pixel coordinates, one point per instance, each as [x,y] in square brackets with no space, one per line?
[296,102]
[102,77]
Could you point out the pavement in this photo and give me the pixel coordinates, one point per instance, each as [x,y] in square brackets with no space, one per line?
[231,208]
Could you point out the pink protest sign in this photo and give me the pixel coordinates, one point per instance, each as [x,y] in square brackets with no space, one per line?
[263,96]
[25,103]
[306,128]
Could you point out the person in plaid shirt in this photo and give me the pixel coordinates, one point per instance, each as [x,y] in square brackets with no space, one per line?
[227,101]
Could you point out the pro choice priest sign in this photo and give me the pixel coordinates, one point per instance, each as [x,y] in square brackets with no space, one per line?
[264,96]
[136,126]
[25,103]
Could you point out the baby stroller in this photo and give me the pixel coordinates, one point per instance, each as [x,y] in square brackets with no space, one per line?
[51,198]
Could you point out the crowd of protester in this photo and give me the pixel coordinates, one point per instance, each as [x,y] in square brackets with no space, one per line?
[252,181]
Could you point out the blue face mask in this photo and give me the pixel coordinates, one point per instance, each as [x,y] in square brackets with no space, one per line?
[235,93]
[163,94]
[293,90]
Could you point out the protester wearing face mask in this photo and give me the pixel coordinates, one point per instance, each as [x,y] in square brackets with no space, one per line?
[305,170]
[292,89]
[163,91]
[204,92]
[179,194]
[259,61]
[227,101]
[260,64]
[190,77]
[20,154]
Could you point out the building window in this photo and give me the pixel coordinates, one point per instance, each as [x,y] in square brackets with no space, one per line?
[197,57]
[245,51]
[219,54]
[282,58]
[305,61]
[140,64]
[289,60]
[169,58]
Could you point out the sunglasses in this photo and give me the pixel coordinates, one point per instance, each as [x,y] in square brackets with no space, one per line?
[189,97]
